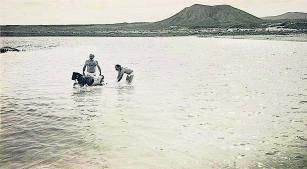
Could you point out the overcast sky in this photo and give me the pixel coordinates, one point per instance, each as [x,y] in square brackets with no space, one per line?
[114,11]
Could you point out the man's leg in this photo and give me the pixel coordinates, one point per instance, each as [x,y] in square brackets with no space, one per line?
[129,78]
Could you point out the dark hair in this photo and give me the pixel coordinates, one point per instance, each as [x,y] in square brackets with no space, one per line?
[118,66]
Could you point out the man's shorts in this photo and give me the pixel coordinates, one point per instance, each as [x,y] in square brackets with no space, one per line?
[129,77]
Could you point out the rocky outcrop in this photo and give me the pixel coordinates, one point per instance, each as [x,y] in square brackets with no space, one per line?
[8,49]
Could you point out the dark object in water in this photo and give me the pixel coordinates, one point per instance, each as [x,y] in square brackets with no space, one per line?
[6,49]
[83,80]
[89,81]
[78,78]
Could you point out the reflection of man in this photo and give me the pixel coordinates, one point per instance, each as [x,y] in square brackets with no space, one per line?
[91,66]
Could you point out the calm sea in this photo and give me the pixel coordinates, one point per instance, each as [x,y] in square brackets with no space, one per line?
[195,103]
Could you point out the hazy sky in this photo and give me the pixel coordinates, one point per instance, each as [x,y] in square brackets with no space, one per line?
[114,11]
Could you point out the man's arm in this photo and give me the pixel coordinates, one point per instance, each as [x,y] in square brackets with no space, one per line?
[99,68]
[84,67]
[120,75]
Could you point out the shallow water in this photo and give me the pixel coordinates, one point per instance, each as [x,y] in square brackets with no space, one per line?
[194,103]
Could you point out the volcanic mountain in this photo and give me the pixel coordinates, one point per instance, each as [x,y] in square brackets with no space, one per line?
[210,16]
[288,16]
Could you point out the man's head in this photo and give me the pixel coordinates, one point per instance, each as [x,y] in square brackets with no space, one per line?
[92,56]
[118,67]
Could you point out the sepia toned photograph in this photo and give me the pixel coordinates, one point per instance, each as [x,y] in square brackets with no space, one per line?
[153,84]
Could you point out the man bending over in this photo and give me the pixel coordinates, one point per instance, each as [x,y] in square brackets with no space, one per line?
[121,71]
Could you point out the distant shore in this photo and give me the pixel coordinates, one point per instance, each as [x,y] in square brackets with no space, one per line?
[275,36]
[282,35]
[272,32]
[290,37]
[144,30]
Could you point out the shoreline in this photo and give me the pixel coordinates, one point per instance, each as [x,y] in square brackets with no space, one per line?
[299,37]
[290,37]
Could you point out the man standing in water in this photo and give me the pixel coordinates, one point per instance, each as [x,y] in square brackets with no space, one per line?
[90,76]
[121,71]
[91,66]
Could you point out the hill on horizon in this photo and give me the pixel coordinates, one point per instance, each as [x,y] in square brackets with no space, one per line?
[199,15]
[192,18]
[288,16]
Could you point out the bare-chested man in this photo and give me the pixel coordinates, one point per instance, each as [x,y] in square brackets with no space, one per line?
[91,66]
[123,70]
[90,75]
